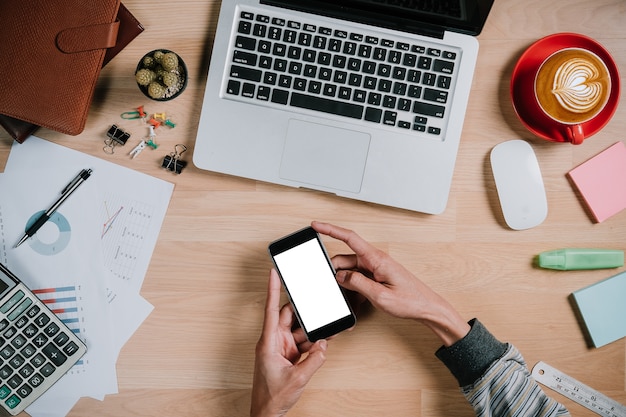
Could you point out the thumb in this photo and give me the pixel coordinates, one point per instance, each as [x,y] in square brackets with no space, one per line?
[355,281]
[314,360]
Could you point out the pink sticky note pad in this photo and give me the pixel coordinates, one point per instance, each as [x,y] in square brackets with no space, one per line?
[602,182]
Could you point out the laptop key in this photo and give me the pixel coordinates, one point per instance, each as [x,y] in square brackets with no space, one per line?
[263,93]
[280,96]
[435,95]
[390,118]
[248,90]
[428,109]
[244,73]
[245,58]
[326,105]
[243,42]
[373,115]
[245,27]
[447,67]
[233,87]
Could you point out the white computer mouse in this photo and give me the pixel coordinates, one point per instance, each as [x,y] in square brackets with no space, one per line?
[519,184]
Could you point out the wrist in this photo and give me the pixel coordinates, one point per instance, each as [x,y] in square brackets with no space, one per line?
[265,411]
[446,323]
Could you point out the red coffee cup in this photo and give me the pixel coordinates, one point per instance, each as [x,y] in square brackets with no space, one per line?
[525,102]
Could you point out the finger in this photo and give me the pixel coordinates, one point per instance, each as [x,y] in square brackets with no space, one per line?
[345,262]
[272,303]
[315,359]
[299,336]
[286,317]
[349,237]
[355,281]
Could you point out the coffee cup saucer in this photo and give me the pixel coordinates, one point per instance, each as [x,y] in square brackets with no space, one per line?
[523,78]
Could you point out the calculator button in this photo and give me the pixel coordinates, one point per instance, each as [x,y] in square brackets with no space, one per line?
[52,329]
[70,349]
[7,352]
[48,370]
[12,302]
[61,339]
[13,401]
[20,309]
[10,332]
[17,361]
[40,340]
[31,330]
[15,381]
[29,351]
[19,341]
[4,392]
[42,320]
[24,391]
[5,372]
[21,322]
[3,324]
[36,380]
[38,360]
[54,354]
[33,311]
[27,371]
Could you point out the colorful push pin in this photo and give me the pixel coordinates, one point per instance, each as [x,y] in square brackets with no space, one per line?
[169,123]
[138,114]
[172,161]
[159,116]
[151,135]
[154,122]
[150,139]
[151,143]
[116,136]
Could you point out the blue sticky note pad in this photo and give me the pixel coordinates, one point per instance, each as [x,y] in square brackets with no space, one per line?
[602,307]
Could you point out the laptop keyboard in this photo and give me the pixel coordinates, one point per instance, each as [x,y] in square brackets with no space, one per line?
[398,84]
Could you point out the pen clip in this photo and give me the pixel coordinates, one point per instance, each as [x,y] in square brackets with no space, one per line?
[82,175]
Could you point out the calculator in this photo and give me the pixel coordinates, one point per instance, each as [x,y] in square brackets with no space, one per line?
[36,347]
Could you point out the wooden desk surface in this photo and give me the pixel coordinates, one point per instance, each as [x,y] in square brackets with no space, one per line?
[194,355]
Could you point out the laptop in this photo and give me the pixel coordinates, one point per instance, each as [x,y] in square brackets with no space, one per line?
[364,99]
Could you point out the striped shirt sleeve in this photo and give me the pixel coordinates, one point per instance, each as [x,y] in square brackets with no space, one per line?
[494,377]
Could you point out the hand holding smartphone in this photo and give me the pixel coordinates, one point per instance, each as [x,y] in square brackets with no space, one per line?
[308,277]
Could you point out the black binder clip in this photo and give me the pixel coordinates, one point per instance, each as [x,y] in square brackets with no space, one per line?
[116,136]
[172,161]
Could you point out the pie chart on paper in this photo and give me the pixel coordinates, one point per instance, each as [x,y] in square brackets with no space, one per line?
[52,237]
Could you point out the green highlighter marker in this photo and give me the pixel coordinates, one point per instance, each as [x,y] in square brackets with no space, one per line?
[579,258]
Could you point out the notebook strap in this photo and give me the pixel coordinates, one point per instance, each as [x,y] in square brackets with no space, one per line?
[88,38]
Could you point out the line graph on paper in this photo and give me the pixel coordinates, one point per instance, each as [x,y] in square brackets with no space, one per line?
[125,225]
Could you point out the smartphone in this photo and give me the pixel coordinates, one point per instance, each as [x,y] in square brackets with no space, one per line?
[308,277]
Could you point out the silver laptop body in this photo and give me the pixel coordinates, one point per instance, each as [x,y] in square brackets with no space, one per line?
[304,95]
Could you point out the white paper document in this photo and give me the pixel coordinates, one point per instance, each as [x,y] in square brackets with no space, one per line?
[88,261]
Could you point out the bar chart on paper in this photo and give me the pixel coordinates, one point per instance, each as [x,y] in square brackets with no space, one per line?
[64,302]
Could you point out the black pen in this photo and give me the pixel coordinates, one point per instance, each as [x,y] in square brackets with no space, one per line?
[67,191]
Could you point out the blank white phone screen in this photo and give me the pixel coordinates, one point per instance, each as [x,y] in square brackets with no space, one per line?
[311,285]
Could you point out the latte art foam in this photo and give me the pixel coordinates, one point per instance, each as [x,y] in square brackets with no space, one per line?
[576,85]
[572,85]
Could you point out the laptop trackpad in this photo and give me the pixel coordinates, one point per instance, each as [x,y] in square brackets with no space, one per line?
[324,156]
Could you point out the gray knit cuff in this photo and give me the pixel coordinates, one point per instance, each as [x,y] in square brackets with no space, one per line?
[470,357]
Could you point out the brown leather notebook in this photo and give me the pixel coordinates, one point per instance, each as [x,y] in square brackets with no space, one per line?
[20,119]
